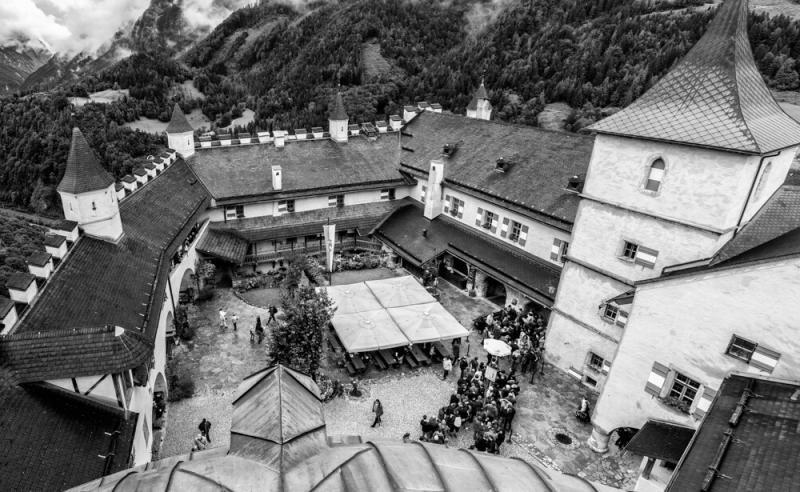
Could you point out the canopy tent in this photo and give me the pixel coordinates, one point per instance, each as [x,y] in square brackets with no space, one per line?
[389,313]
[399,291]
[429,322]
[353,298]
[368,330]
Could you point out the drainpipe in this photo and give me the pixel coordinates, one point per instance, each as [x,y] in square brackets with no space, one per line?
[752,187]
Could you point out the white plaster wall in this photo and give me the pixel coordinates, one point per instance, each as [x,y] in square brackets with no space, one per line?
[41,271]
[600,232]
[25,296]
[10,320]
[579,294]
[540,236]
[104,221]
[103,391]
[700,186]
[776,175]
[687,323]
[188,262]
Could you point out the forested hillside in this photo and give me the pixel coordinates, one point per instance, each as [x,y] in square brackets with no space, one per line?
[286,64]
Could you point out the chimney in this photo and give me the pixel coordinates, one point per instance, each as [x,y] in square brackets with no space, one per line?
[280,138]
[56,245]
[22,287]
[395,123]
[8,314]
[433,198]
[409,113]
[276,178]
[40,265]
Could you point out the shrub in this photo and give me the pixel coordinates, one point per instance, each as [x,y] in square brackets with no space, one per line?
[180,382]
[205,294]
[182,327]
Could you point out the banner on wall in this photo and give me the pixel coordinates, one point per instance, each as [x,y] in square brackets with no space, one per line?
[329,231]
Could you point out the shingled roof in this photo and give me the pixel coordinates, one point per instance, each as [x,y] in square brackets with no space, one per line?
[53,440]
[338,112]
[178,122]
[714,97]
[85,293]
[223,245]
[84,172]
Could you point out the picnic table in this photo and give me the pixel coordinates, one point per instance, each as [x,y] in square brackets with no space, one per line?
[358,364]
[377,358]
[419,355]
[388,357]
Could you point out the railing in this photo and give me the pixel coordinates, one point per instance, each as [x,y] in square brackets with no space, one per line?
[312,249]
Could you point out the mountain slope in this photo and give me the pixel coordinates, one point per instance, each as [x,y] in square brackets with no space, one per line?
[16,64]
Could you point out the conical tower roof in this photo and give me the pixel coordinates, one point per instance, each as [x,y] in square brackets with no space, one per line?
[338,112]
[84,172]
[178,122]
[714,97]
[479,94]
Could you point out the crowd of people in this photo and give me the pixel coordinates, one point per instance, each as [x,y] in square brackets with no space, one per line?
[523,331]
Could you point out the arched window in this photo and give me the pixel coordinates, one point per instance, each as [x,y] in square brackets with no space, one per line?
[655,175]
[762,181]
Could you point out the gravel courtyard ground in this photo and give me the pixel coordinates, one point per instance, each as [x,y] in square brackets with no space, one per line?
[220,360]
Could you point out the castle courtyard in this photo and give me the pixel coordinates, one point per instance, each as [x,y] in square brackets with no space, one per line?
[218,360]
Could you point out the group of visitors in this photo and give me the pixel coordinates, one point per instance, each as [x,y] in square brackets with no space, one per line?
[203,439]
[484,404]
[523,331]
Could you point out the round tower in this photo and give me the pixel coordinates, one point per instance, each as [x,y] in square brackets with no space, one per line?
[180,134]
[338,120]
[87,192]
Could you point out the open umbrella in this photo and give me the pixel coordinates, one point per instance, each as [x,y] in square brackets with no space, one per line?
[498,348]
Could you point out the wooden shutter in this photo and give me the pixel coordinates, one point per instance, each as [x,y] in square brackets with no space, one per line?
[523,235]
[657,378]
[764,359]
[622,317]
[504,227]
[332,201]
[460,209]
[447,199]
[646,256]
[494,224]
[606,366]
[479,218]
[704,402]
[555,250]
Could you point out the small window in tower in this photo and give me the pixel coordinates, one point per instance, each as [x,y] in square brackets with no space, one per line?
[655,175]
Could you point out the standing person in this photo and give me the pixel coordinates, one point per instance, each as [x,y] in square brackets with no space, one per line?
[456,348]
[205,429]
[199,443]
[447,366]
[377,409]
[463,364]
[223,319]
[234,320]
[272,312]
[256,330]
[259,331]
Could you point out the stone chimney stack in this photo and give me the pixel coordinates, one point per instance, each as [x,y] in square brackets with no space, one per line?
[433,198]
[279,138]
[276,178]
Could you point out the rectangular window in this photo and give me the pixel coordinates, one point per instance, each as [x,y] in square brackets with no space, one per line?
[614,314]
[387,194]
[336,201]
[741,348]
[596,362]
[559,250]
[489,220]
[286,206]
[629,250]
[516,227]
[684,388]
[422,193]
[610,312]
[639,254]
[456,207]
[235,212]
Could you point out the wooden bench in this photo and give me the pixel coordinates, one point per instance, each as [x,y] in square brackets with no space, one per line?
[410,361]
[377,358]
[335,343]
[358,364]
[388,357]
[350,369]
[420,356]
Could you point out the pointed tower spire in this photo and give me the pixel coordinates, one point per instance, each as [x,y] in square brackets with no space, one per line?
[180,134]
[714,97]
[338,120]
[480,108]
[84,172]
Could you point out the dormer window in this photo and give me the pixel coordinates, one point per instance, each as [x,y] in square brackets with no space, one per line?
[655,175]
[502,165]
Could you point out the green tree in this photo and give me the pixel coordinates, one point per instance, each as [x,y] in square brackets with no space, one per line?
[787,78]
[297,340]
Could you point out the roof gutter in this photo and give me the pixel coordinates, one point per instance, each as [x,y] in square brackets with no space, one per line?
[752,187]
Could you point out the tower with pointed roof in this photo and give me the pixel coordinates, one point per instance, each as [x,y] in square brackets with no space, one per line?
[180,134]
[338,120]
[87,192]
[672,177]
[480,108]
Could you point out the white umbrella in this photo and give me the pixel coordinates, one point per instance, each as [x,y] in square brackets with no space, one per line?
[498,348]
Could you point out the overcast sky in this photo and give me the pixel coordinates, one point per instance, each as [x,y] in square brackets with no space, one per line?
[71,26]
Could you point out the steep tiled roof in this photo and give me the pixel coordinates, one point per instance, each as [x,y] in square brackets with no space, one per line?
[178,122]
[223,245]
[65,225]
[362,217]
[86,291]
[403,230]
[543,161]
[5,305]
[661,440]
[778,216]
[338,112]
[39,258]
[310,165]
[763,449]
[84,172]
[714,97]
[54,240]
[73,353]
[53,440]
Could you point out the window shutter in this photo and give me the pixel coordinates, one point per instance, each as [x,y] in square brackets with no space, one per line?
[555,250]
[704,402]
[494,224]
[504,227]
[479,217]
[523,235]
[622,318]
[460,209]
[447,199]
[657,378]
[646,257]
[332,201]
[606,366]
[764,359]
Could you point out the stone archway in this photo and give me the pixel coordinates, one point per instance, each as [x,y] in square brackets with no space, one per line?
[188,288]
[159,416]
[495,291]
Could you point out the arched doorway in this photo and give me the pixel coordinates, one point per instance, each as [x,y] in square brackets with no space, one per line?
[495,291]
[188,289]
